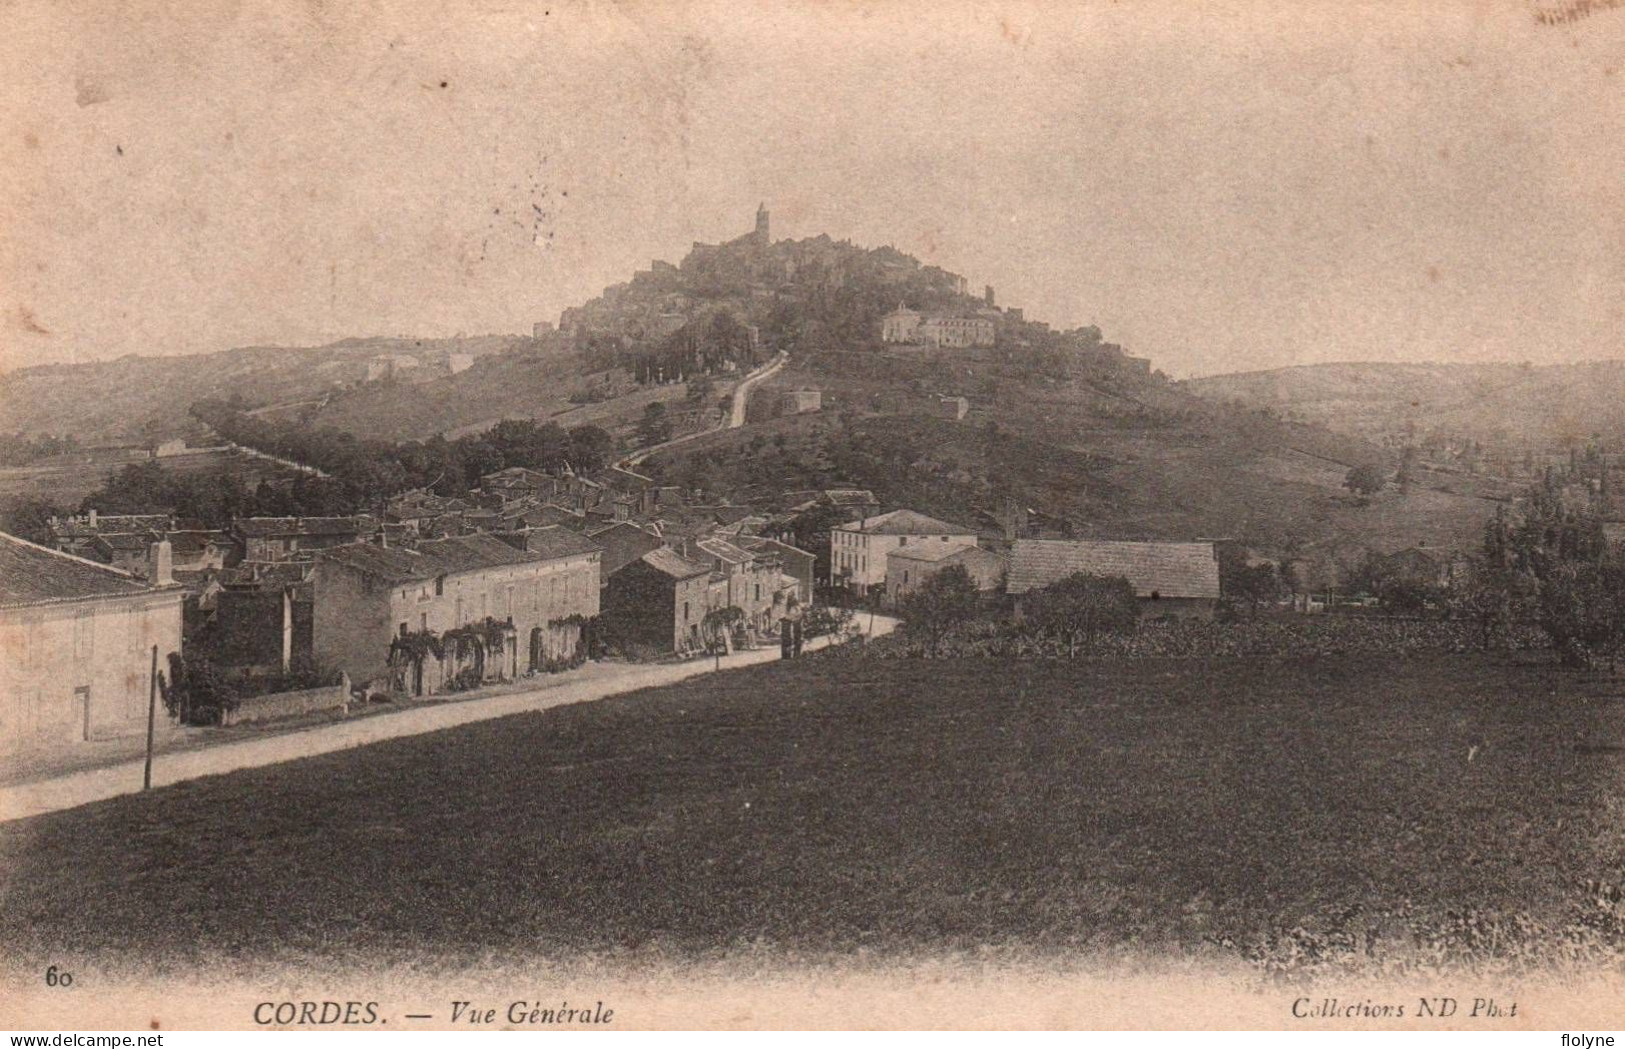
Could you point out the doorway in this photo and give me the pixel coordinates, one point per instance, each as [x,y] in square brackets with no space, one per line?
[81,710]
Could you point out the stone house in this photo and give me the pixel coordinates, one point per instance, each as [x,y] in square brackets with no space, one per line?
[909,567]
[858,549]
[751,580]
[1180,579]
[296,538]
[77,640]
[658,601]
[798,402]
[367,596]
[793,562]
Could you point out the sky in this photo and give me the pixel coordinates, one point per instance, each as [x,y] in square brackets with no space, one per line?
[1221,187]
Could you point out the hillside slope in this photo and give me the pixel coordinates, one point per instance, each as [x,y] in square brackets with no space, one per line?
[1122,458]
[142,398]
[1500,404]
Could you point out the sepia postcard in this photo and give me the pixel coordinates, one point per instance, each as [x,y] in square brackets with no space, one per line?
[839,514]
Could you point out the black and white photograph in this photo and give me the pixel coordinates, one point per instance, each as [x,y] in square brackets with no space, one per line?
[837,514]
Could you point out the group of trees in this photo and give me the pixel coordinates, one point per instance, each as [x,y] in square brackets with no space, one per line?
[372,469]
[1072,611]
[362,473]
[698,348]
[1553,566]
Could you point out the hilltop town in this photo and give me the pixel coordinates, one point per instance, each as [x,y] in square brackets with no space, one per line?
[802,452]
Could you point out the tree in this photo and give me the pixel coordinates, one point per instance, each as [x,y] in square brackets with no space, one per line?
[31,520]
[196,692]
[1083,606]
[1255,584]
[1407,469]
[654,428]
[944,601]
[700,388]
[590,448]
[1582,611]
[1365,480]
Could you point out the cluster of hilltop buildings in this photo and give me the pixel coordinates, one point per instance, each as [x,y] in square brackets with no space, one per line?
[750,274]
[954,329]
[543,570]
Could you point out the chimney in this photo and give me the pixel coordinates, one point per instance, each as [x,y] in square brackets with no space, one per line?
[161,564]
[93,517]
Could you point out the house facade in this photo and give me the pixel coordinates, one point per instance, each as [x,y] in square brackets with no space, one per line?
[658,601]
[77,640]
[858,549]
[296,538]
[793,562]
[909,567]
[367,596]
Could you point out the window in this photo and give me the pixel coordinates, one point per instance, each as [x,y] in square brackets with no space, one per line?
[403,629]
[423,621]
[439,586]
[903,541]
[685,611]
[758,596]
[84,634]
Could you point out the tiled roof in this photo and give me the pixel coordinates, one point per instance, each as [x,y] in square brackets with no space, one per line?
[266,574]
[1173,570]
[128,540]
[623,543]
[670,562]
[463,553]
[34,575]
[761,544]
[723,550]
[391,564]
[906,522]
[260,527]
[553,514]
[192,543]
[81,528]
[467,553]
[557,541]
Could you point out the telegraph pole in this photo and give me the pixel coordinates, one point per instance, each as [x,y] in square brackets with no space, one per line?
[152,716]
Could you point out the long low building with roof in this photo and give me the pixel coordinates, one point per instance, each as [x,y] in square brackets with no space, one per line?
[78,640]
[1171,578]
[380,611]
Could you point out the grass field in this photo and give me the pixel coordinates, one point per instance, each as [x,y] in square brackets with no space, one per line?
[65,480]
[1299,813]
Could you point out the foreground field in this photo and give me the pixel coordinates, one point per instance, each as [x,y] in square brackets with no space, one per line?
[1293,813]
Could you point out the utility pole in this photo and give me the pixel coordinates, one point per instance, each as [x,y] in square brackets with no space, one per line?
[152,716]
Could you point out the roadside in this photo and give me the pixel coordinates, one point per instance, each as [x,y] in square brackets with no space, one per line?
[192,753]
[736,413]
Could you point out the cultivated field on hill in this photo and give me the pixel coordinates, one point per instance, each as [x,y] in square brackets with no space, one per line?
[1302,814]
[66,479]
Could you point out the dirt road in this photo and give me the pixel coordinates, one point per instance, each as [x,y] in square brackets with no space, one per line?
[82,788]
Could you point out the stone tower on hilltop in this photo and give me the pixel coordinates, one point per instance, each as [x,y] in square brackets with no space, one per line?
[761,225]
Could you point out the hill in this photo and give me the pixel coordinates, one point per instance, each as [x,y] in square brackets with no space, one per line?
[1509,407]
[1110,457]
[138,398]
[1062,422]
